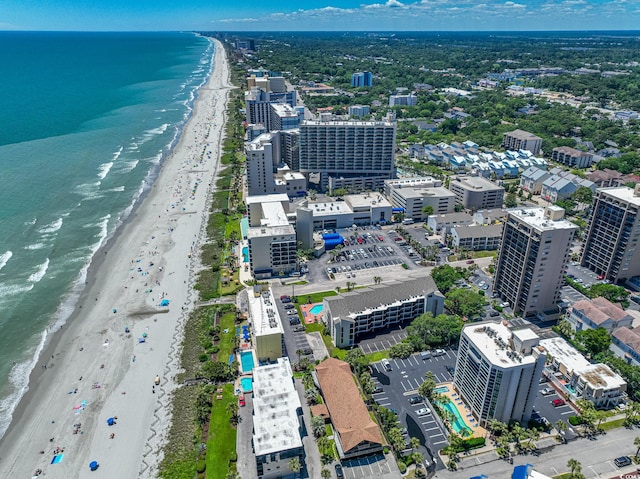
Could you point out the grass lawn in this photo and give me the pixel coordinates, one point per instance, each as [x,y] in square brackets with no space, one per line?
[377,356]
[221,445]
[313,297]
[314,327]
[616,423]
[227,340]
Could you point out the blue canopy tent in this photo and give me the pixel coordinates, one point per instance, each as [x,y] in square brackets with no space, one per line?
[93,465]
[111,421]
[164,302]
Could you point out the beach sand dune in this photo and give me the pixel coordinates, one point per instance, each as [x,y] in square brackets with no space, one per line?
[94,369]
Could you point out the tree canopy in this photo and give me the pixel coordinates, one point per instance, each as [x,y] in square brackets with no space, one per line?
[428,331]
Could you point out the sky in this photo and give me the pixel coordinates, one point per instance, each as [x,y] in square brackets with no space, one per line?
[323,15]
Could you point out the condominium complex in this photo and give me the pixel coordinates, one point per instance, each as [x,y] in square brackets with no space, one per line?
[571,157]
[476,193]
[267,324]
[271,238]
[277,420]
[357,155]
[258,105]
[351,315]
[522,140]
[359,110]
[535,248]
[611,241]
[477,237]
[403,100]
[498,371]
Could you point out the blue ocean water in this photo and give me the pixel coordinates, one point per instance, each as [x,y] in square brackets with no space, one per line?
[85,121]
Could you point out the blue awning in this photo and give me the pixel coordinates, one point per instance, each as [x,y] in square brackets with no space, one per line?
[521,472]
[397,210]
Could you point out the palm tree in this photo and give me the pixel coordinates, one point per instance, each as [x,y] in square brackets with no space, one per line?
[574,465]
[377,279]
[636,442]
[323,444]
[232,409]
[317,426]
[415,443]
[325,473]
[294,465]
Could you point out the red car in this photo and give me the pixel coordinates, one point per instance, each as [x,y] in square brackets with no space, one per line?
[241,401]
[600,277]
[381,238]
[470,261]
[558,402]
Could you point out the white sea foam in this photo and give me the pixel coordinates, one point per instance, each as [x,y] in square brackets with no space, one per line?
[103,169]
[42,270]
[52,227]
[156,131]
[31,222]
[19,379]
[128,166]
[4,258]
[117,188]
[117,154]
[35,246]
[89,190]
[7,290]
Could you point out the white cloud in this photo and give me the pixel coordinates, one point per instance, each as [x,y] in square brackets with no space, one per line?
[389,4]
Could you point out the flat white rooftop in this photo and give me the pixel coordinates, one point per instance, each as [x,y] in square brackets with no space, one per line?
[279,197]
[269,231]
[623,193]
[275,404]
[414,181]
[599,376]
[494,342]
[535,218]
[367,200]
[273,214]
[329,209]
[264,314]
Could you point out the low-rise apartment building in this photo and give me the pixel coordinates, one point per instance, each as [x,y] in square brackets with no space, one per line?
[351,315]
[571,157]
[477,237]
[581,379]
[597,313]
[476,193]
[442,224]
[625,343]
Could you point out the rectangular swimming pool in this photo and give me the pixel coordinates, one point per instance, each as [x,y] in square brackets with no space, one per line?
[316,309]
[247,384]
[246,361]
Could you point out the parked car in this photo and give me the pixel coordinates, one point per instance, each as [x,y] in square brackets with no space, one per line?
[378,389]
[339,471]
[439,352]
[299,328]
[285,296]
[470,261]
[415,400]
[423,411]
[386,364]
[493,313]
[558,402]
[547,391]
[241,401]
[289,306]
[622,461]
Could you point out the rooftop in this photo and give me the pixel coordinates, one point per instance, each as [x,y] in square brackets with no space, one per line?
[598,310]
[379,296]
[338,123]
[495,342]
[535,217]
[630,337]
[476,183]
[623,193]
[349,414]
[413,181]
[599,376]
[275,409]
[367,200]
[435,192]
[480,231]
[264,314]
[452,217]
[523,135]
[329,208]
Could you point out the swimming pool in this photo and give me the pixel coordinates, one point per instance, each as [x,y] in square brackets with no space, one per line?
[457,424]
[246,361]
[442,389]
[247,384]
[245,254]
[316,309]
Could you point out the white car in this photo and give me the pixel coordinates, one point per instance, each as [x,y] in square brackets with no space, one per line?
[423,411]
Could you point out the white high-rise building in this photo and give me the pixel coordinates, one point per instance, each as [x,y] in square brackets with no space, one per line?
[498,371]
[260,165]
[533,254]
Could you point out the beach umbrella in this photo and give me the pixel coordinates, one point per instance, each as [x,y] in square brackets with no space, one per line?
[111,421]
[141,340]
[93,465]
[144,335]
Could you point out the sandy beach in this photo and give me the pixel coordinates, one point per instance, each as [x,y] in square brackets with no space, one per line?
[104,362]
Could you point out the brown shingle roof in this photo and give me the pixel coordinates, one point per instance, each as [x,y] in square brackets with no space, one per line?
[599,309]
[342,397]
[320,410]
[630,337]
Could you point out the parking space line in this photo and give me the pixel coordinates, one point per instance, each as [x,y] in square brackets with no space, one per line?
[568,412]
[439,442]
[432,428]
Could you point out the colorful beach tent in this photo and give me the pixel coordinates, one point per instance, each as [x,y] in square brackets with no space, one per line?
[93,465]
[111,421]
[164,302]
[57,458]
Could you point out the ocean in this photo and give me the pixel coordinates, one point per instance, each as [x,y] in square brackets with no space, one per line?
[86,119]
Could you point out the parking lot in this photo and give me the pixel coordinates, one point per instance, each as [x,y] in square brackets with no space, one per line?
[381,341]
[400,384]
[295,338]
[544,408]
[365,467]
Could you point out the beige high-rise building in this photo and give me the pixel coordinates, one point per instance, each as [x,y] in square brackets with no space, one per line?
[534,251]
[522,140]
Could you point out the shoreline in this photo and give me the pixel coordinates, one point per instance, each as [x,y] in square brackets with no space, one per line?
[116,364]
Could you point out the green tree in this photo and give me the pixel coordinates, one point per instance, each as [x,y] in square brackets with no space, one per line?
[325,473]
[510,201]
[615,294]
[427,387]
[594,340]
[636,442]
[426,331]
[427,210]
[464,302]
[574,465]
[294,465]
[317,426]
[401,350]
[367,383]
[232,410]
[445,277]
[583,195]
[396,439]
[357,360]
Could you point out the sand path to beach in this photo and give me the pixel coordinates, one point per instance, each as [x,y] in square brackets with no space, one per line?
[94,369]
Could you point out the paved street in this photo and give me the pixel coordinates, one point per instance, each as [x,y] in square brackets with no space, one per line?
[595,456]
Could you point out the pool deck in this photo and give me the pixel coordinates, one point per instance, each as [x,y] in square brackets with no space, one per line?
[307,316]
[464,410]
